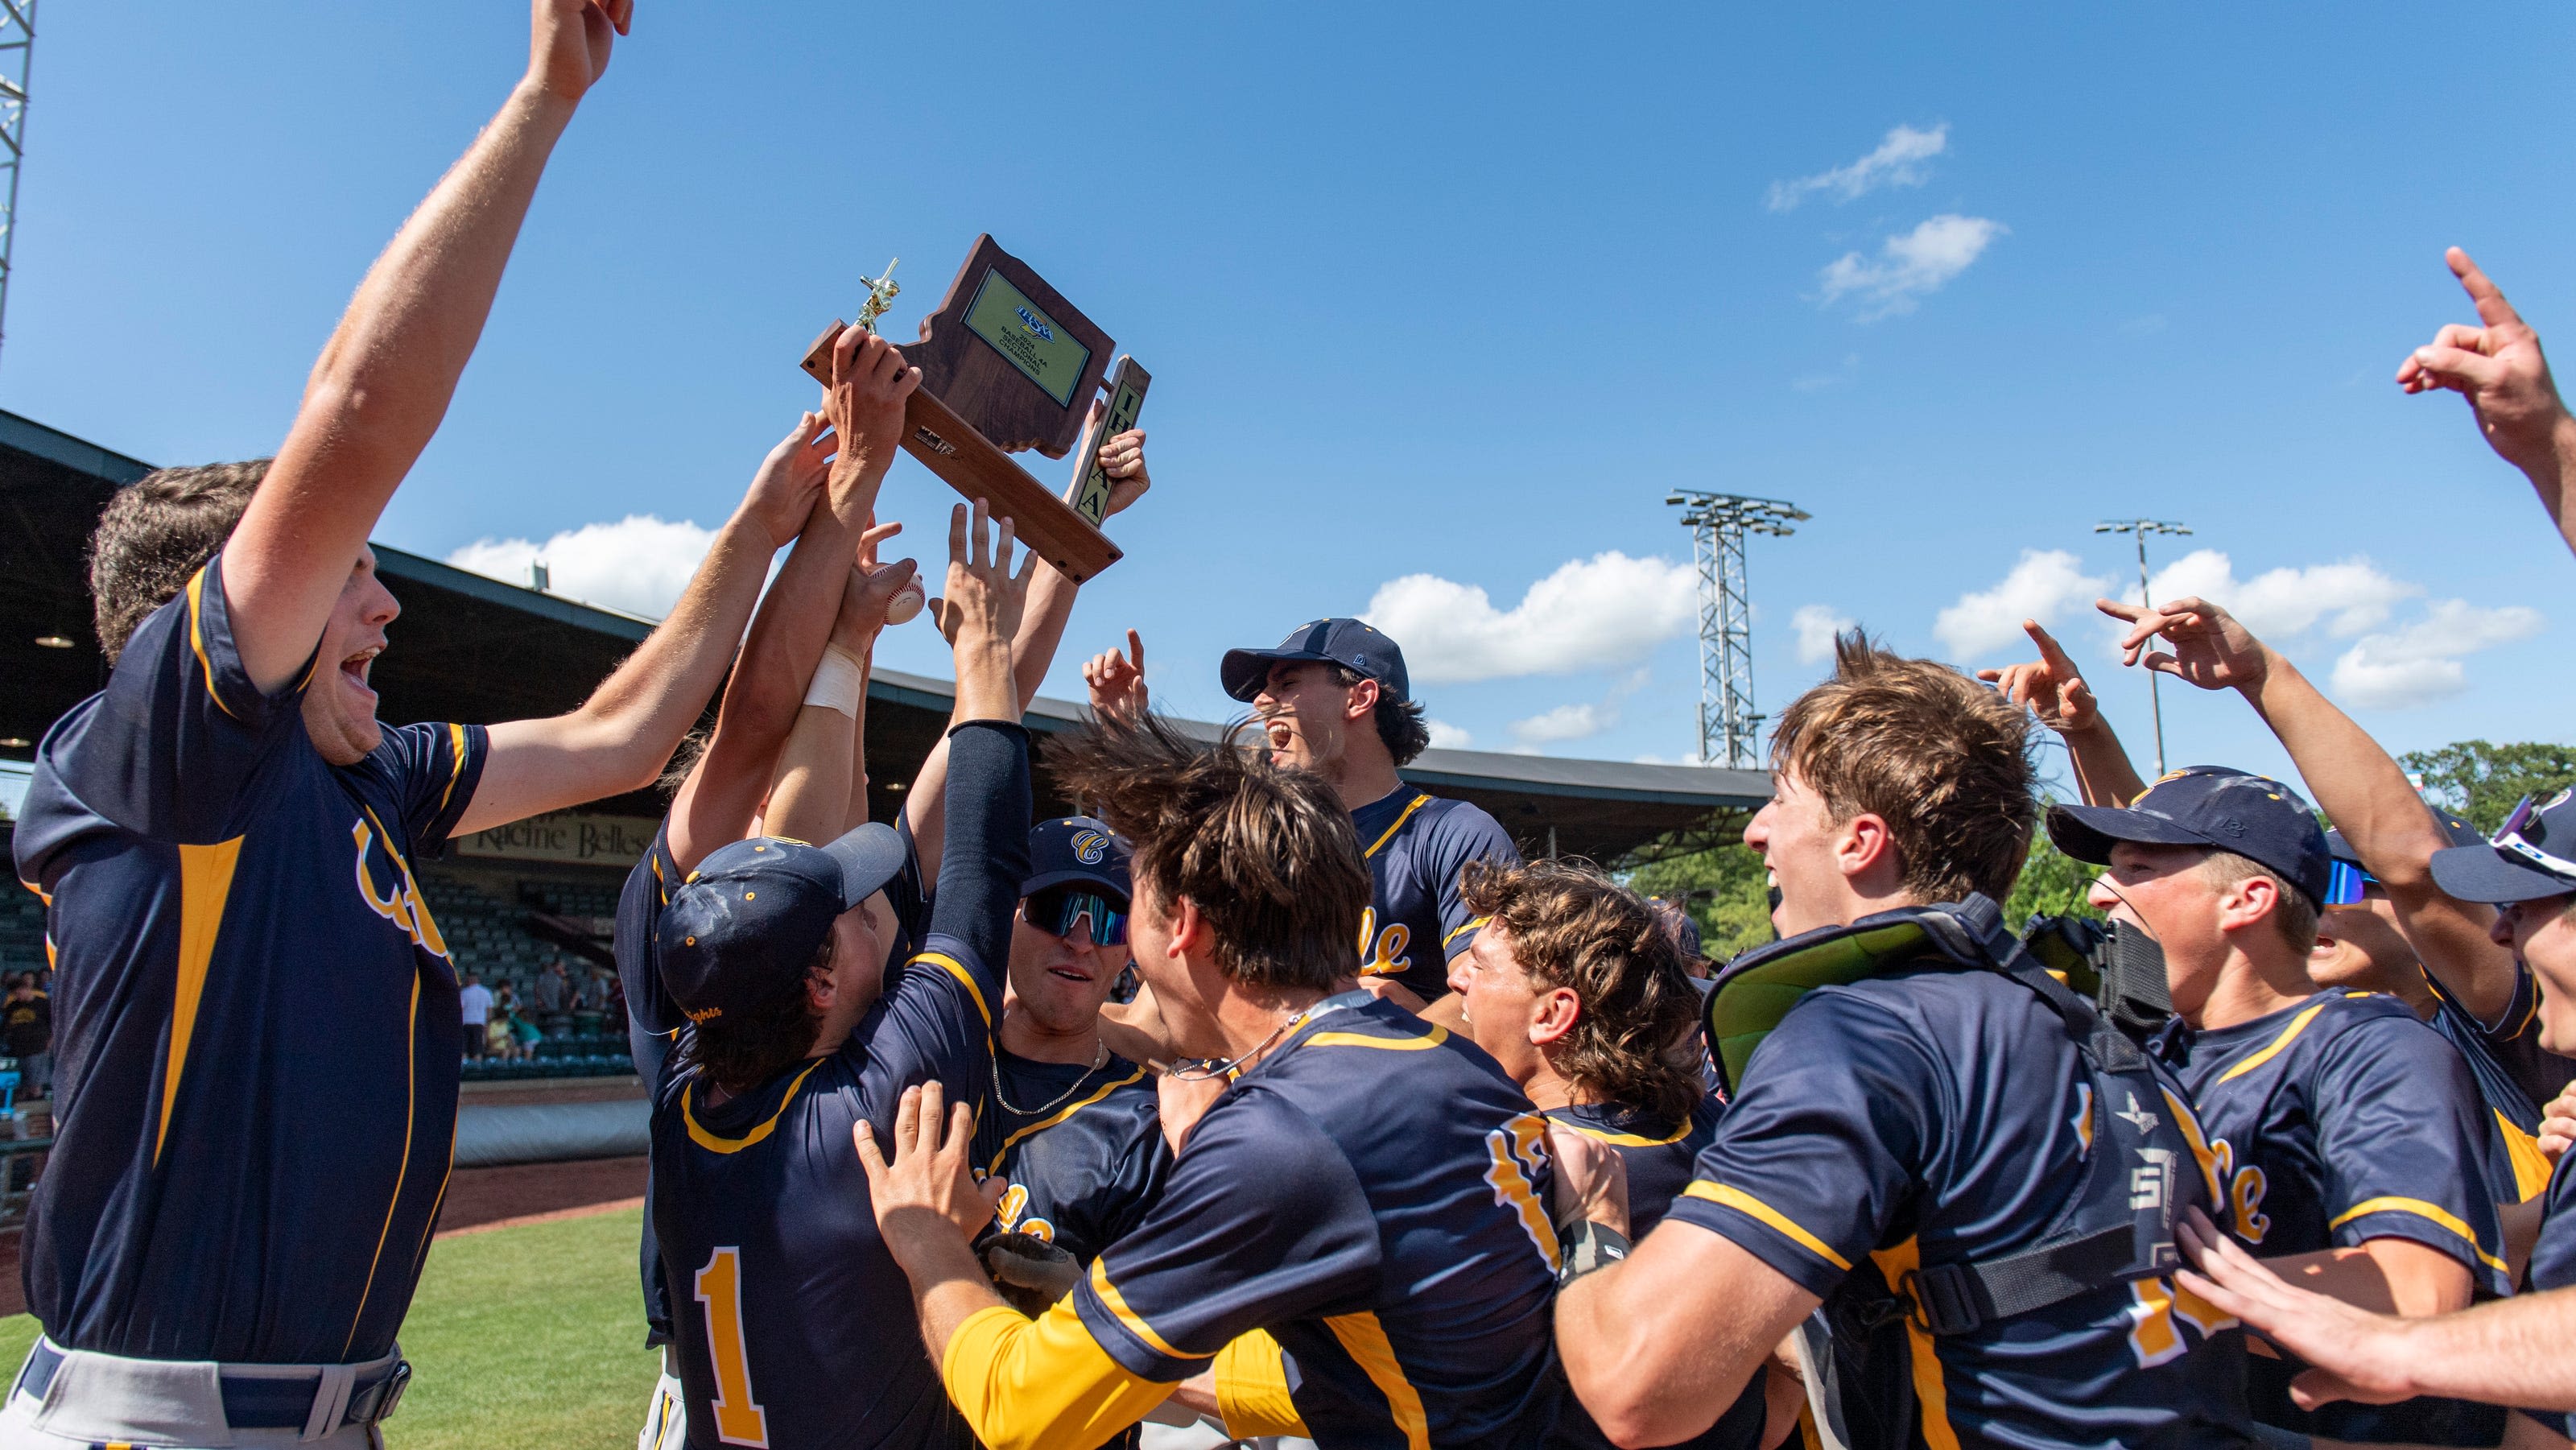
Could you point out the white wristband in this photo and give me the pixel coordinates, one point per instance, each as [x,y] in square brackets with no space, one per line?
[837,681]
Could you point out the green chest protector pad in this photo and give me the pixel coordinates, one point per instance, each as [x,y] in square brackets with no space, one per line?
[2140,1173]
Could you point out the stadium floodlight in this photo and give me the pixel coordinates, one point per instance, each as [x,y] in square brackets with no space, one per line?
[17,49]
[2141,528]
[1728,723]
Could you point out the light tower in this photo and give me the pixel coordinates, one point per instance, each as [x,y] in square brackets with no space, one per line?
[2142,528]
[1718,523]
[17,48]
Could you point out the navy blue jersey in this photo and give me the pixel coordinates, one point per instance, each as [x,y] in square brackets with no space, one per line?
[1416,846]
[1356,1234]
[2335,1121]
[1940,1116]
[1661,1157]
[252,1002]
[1082,1172]
[2553,1265]
[2510,1066]
[794,1325]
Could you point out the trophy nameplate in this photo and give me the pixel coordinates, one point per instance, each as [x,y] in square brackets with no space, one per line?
[1008,365]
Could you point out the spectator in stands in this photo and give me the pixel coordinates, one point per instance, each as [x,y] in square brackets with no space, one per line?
[594,989]
[27,1030]
[554,990]
[500,1034]
[475,1002]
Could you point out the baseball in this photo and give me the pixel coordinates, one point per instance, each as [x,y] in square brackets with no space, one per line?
[906,603]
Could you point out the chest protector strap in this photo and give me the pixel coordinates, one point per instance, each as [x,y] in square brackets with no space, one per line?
[2140,1169]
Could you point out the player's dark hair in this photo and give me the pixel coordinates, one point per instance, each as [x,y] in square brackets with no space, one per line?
[1570,926]
[693,748]
[1399,722]
[1943,760]
[157,532]
[1267,855]
[748,1046]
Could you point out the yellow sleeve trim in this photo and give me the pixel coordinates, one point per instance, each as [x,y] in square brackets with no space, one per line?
[1626,1140]
[957,969]
[197,639]
[1432,1038]
[2290,1033]
[1252,1389]
[2390,1203]
[1116,1304]
[766,1126]
[1400,818]
[1465,928]
[1041,1384]
[455,765]
[2530,1167]
[1763,1213]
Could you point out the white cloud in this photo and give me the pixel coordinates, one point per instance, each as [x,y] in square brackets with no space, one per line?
[1606,610]
[2348,597]
[1565,722]
[1910,267]
[2420,663]
[1817,624]
[639,563]
[1445,736]
[1898,161]
[2042,587]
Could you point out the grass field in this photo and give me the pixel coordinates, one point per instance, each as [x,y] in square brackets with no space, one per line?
[521,1336]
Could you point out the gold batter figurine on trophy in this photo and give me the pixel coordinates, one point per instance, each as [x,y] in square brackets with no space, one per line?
[881,295]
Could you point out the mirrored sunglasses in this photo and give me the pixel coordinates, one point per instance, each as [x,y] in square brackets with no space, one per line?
[2345,884]
[1056,909]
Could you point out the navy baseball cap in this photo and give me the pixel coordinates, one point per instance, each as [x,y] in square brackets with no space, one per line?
[1345,642]
[2207,805]
[754,913]
[2533,856]
[1076,848]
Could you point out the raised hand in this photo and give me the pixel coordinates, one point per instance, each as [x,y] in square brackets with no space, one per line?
[928,1186]
[2050,687]
[871,590]
[1123,459]
[569,42]
[2210,649]
[1117,681]
[864,402]
[2497,366]
[2558,1125]
[984,598]
[789,480]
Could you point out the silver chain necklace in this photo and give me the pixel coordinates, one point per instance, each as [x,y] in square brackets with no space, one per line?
[1099,1057]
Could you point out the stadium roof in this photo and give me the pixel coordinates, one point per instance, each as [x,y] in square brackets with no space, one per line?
[476,649]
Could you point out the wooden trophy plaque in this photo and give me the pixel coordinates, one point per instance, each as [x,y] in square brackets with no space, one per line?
[1008,365]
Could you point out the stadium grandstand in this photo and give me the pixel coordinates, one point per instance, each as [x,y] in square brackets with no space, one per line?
[470,648]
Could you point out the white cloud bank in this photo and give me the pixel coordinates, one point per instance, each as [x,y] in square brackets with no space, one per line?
[2043,586]
[2348,597]
[1445,736]
[1816,625]
[1591,613]
[2420,663]
[1564,723]
[1909,268]
[638,564]
[1898,161]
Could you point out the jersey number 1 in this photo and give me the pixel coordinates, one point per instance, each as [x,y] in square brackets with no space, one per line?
[739,1420]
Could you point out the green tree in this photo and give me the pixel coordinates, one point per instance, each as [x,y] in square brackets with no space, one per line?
[1726,889]
[2052,884]
[2482,781]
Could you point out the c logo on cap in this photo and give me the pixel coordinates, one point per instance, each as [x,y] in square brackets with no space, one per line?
[704,1016]
[1090,847]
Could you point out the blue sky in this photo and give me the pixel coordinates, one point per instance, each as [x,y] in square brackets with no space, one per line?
[1429,291]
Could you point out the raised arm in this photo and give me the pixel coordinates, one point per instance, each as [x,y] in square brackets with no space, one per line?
[985,854]
[1041,631]
[2352,780]
[2499,368]
[2051,688]
[385,377]
[625,732]
[811,799]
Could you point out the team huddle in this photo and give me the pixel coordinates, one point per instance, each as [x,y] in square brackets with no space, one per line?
[1270,1095]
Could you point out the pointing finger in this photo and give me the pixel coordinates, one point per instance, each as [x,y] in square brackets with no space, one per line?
[1136,650]
[2118,610]
[2493,310]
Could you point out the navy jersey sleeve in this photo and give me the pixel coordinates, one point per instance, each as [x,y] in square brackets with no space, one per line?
[2403,1134]
[986,854]
[167,748]
[1818,1155]
[433,770]
[1260,1222]
[650,1012]
[1460,836]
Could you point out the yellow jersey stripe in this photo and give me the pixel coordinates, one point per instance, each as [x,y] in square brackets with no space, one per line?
[2392,1203]
[1400,818]
[1626,1140]
[1763,1213]
[1931,1392]
[1365,1339]
[1116,1304]
[2289,1034]
[456,764]
[714,1143]
[2530,1169]
[1060,1115]
[957,969]
[1432,1038]
[411,1092]
[1043,1383]
[1464,929]
[1252,1394]
[197,639]
[205,883]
